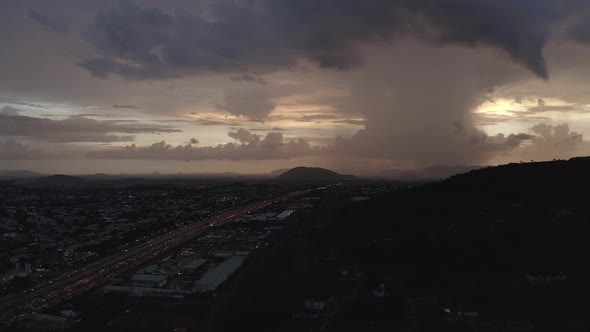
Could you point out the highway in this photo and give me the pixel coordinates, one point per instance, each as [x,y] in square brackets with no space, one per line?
[93,275]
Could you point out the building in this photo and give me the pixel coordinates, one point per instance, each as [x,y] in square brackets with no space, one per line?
[285,214]
[69,314]
[148,280]
[193,265]
[159,292]
[216,276]
[110,289]
[147,292]
[148,269]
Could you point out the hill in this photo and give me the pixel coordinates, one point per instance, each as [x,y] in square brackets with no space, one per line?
[506,241]
[436,172]
[278,172]
[18,174]
[307,174]
[55,180]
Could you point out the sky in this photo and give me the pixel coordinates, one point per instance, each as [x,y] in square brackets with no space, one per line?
[251,86]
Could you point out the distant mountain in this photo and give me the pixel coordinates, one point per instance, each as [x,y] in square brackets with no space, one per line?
[19,174]
[100,177]
[313,174]
[57,180]
[278,172]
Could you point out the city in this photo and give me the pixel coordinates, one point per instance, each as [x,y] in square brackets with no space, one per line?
[87,238]
[294,165]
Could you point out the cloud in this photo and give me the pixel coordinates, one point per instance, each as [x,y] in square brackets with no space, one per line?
[552,142]
[194,141]
[519,28]
[9,111]
[130,107]
[241,135]
[254,104]
[272,146]
[13,150]
[55,25]
[217,122]
[72,129]
[351,122]
[415,70]
[262,36]
[419,111]
[248,78]
[499,142]
[21,103]
[558,108]
[557,135]
[316,117]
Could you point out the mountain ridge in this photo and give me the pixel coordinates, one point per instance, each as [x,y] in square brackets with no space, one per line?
[302,173]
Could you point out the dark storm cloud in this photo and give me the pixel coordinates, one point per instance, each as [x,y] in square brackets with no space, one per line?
[271,146]
[520,28]
[262,36]
[56,25]
[579,27]
[72,129]
[420,69]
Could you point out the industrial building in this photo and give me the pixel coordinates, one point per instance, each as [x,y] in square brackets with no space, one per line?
[216,276]
[148,281]
[193,265]
[148,269]
[147,292]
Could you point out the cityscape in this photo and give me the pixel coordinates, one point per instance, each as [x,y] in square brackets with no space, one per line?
[169,242]
[294,165]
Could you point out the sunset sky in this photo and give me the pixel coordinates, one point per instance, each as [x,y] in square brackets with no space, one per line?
[251,86]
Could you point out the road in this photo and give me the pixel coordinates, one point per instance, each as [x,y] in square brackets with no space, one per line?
[98,273]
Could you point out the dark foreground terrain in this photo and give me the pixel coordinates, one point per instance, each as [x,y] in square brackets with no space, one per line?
[497,249]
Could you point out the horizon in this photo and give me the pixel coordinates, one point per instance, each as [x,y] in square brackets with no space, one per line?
[387,174]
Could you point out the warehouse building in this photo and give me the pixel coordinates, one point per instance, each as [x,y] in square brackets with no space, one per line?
[216,276]
[148,280]
[191,266]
